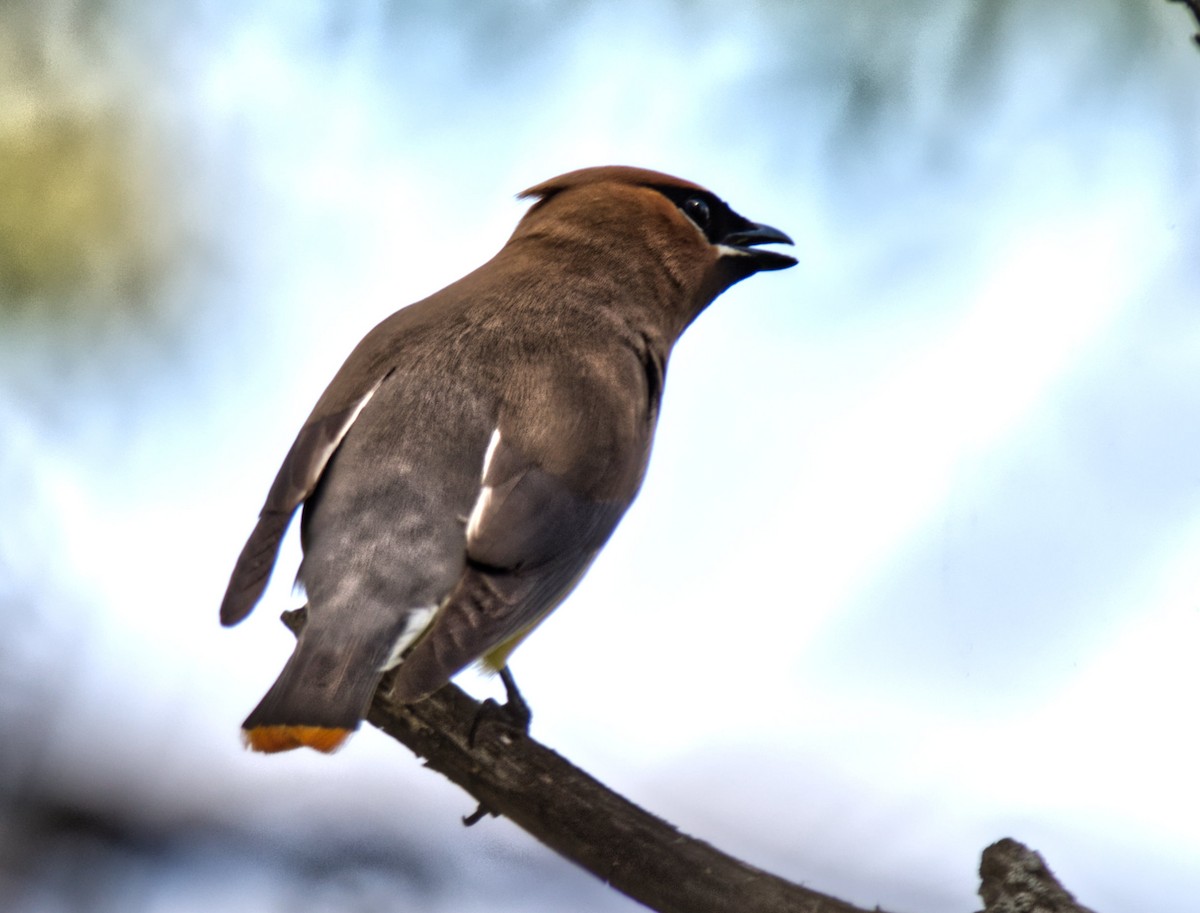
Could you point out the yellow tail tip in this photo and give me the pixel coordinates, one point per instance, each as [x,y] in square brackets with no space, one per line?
[270,739]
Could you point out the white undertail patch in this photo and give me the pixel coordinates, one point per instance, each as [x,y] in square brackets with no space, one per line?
[418,620]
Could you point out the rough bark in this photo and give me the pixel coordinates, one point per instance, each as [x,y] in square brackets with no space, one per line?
[508,773]
[1015,879]
[578,817]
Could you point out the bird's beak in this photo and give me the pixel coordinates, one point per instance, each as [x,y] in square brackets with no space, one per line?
[742,241]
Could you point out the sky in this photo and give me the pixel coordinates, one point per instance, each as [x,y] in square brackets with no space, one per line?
[913,568]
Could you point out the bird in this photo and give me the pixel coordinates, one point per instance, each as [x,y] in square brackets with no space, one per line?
[476,450]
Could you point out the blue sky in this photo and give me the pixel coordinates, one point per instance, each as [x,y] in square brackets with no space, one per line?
[914,565]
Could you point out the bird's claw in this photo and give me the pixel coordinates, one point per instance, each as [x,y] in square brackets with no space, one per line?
[514,714]
[478,815]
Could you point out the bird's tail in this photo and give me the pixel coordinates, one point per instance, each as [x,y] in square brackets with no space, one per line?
[270,739]
[320,697]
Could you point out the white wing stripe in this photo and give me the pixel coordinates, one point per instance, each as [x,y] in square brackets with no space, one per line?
[482,503]
[491,452]
[485,493]
[327,451]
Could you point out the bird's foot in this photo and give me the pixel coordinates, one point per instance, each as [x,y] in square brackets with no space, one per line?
[513,715]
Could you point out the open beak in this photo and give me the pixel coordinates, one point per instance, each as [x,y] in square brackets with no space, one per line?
[744,240]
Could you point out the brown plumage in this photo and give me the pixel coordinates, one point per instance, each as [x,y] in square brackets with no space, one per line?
[477,448]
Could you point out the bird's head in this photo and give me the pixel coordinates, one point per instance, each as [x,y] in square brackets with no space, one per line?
[641,220]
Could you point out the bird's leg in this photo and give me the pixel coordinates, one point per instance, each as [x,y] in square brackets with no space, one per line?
[514,704]
[514,714]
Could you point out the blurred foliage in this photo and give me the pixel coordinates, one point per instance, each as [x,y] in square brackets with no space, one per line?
[85,222]
[79,214]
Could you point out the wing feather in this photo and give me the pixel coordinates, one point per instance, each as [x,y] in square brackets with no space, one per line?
[296,480]
[530,537]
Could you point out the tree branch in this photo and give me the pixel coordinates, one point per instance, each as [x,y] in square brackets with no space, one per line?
[578,817]
[644,857]
[1015,879]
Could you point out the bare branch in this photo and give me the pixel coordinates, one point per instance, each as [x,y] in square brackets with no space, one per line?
[640,855]
[1015,879]
[475,746]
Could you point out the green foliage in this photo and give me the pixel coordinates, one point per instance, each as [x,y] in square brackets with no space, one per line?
[78,213]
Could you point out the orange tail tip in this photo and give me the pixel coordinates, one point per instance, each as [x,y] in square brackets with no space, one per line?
[271,739]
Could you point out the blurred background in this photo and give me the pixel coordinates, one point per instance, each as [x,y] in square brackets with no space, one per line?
[915,565]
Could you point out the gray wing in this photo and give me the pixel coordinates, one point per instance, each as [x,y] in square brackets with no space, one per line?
[296,480]
[530,537]
[527,517]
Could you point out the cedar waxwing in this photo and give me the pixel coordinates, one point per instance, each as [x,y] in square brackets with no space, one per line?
[477,448]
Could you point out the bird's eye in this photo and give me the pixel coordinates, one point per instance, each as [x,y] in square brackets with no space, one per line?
[697,210]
